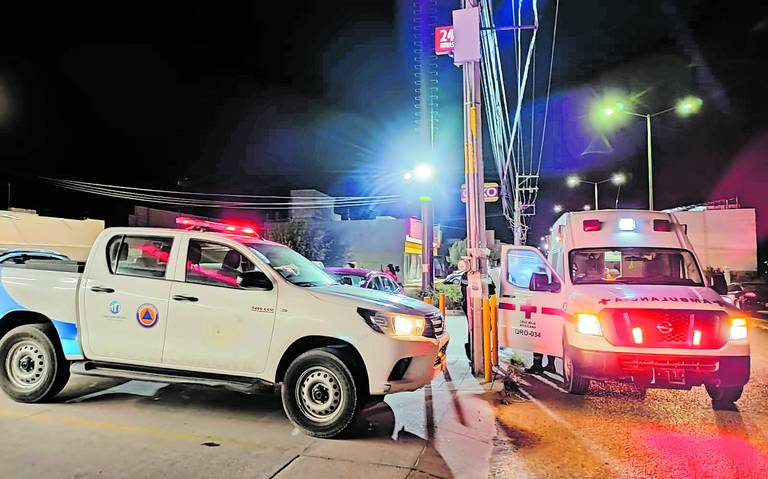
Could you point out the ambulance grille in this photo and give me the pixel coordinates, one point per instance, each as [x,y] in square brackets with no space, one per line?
[665,328]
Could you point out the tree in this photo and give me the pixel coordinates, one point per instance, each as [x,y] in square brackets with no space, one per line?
[308,239]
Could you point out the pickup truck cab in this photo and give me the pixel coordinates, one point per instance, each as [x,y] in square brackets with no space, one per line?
[216,309]
[621,296]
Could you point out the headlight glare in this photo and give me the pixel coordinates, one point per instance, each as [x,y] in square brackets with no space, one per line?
[588,324]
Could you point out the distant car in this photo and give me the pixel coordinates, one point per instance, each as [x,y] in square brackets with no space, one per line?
[366,278]
[453,278]
[752,297]
[21,256]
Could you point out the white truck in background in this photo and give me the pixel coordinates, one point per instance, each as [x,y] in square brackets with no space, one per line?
[217,309]
[622,297]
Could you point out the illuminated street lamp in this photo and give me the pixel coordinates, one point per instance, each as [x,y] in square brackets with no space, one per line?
[617,179]
[609,113]
[557,208]
[587,207]
[423,173]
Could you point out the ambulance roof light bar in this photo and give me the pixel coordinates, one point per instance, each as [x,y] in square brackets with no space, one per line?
[205,225]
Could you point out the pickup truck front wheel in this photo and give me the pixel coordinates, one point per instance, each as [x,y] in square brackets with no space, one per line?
[319,393]
[32,368]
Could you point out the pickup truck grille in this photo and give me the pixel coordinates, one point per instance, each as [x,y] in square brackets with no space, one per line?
[665,328]
[435,325]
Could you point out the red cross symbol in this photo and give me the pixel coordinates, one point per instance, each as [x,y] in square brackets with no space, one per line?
[527,309]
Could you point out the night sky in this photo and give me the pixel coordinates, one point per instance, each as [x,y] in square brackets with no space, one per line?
[258,97]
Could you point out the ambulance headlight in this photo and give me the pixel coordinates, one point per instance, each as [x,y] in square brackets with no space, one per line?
[738,328]
[393,324]
[588,324]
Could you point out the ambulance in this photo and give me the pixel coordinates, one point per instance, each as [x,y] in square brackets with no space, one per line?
[622,297]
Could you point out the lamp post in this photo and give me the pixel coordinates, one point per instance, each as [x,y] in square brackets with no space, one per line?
[685,107]
[423,173]
[617,179]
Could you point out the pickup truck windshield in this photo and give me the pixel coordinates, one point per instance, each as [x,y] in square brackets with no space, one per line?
[634,266]
[291,265]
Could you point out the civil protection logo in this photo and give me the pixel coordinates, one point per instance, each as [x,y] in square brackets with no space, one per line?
[147,315]
[114,307]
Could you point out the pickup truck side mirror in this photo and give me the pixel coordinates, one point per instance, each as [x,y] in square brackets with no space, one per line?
[255,280]
[541,282]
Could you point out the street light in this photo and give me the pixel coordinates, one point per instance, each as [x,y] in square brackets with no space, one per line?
[557,208]
[587,207]
[423,172]
[610,120]
[617,179]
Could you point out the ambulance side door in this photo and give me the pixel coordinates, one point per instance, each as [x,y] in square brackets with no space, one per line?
[530,314]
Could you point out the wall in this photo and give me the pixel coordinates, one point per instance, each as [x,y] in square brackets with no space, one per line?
[725,239]
[370,243]
[70,237]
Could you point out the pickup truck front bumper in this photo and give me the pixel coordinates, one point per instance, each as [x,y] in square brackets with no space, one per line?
[669,371]
[402,364]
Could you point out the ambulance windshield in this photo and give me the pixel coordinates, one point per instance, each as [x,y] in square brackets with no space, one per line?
[634,266]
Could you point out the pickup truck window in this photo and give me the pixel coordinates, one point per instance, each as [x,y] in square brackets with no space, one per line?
[139,256]
[291,265]
[215,264]
[663,266]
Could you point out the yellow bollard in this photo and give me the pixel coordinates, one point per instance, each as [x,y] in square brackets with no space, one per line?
[494,331]
[428,299]
[441,301]
[487,340]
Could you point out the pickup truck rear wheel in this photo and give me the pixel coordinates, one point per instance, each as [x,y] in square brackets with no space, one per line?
[32,368]
[319,393]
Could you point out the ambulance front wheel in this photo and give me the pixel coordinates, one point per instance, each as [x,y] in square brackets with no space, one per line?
[721,394]
[574,382]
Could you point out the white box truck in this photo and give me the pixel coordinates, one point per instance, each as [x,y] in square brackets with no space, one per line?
[622,297]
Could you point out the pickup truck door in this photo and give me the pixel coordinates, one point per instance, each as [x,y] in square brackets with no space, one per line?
[126,299]
[530,314]
[214,323]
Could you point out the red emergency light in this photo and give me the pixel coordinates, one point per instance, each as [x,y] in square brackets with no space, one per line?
[662,225]
[205,225]
[750,294]
[592,225]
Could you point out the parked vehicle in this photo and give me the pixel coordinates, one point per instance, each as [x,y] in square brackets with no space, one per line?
[453,278]
[752,297]
[622,297]
[366,278]
[213,309]
[21,256]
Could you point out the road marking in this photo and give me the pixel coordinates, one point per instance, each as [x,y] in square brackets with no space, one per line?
[619,468]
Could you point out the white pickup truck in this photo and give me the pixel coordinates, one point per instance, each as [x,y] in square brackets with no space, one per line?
[622,297]
[215,309]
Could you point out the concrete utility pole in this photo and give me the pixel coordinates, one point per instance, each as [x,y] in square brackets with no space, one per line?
[466,22]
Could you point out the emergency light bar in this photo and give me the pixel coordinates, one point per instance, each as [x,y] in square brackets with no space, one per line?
[592,225]
[627,224]
[662,225]
[204,225]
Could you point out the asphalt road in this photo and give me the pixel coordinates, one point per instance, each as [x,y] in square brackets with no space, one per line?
[114,429]
[616,431]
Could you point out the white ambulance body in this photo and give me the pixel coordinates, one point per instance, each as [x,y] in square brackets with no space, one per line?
[622,297]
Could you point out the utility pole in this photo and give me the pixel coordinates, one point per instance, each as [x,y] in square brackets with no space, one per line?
[427,240]
[650,162]
[466,22]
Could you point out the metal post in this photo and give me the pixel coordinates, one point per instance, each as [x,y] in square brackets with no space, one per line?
[650,162]
[427,240]
[597,207]
[477,289]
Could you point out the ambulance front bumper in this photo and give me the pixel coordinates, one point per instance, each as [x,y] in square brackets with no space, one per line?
[671,371]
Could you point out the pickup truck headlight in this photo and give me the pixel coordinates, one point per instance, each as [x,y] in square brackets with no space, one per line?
[588,324]
[393,324]
[738,328]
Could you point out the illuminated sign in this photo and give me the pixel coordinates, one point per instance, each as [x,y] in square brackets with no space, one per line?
[444,40]
[490,193]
